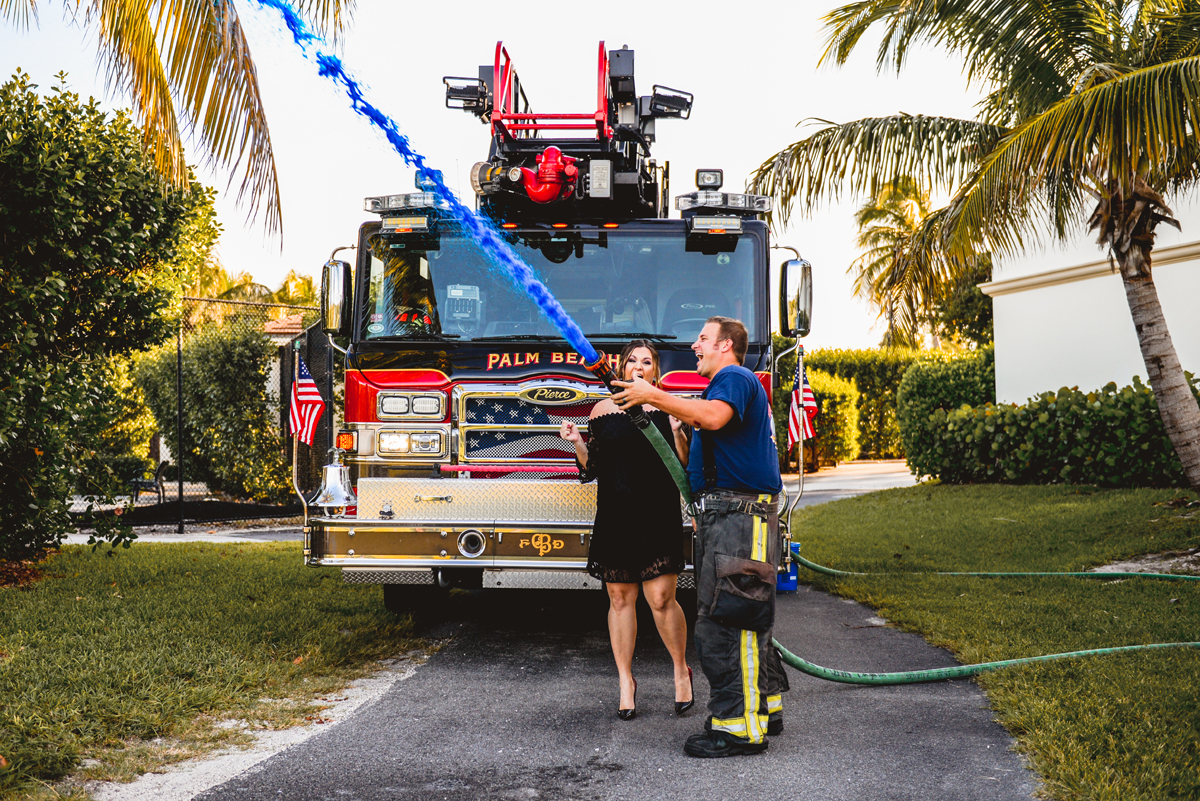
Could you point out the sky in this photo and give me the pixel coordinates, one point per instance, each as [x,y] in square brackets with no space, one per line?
[752,67]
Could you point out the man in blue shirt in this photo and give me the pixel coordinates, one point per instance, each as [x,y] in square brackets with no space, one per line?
[733,469]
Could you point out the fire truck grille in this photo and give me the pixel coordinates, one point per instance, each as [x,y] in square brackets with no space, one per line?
[511,411]
[532,445]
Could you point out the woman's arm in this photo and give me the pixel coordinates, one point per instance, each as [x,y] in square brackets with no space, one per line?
[682,440]
[571,434]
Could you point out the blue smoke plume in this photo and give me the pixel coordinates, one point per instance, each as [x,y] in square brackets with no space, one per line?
[481,230]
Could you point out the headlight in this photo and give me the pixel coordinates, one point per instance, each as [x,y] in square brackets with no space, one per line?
[426,404]
[396,443]
[427,443]
[393,404]
[393,442]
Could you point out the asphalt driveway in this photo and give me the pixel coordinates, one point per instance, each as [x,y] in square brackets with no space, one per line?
[520,703]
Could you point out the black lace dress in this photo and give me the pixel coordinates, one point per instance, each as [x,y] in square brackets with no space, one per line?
[638,533]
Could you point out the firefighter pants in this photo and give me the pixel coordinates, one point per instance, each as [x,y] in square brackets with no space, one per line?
[736,557]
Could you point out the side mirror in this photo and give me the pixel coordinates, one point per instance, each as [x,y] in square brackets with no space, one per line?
[336,292]
[795,298]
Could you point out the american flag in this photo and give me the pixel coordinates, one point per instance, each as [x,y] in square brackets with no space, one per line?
[306,405]
[802,396]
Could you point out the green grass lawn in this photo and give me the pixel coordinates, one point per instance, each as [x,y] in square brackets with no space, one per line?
[1111,727]
[143,658]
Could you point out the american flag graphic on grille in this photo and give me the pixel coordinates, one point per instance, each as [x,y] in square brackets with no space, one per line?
[530,445]
[517,412]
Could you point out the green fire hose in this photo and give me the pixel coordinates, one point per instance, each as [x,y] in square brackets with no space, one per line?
[829,571]
[956,672]
[962,671]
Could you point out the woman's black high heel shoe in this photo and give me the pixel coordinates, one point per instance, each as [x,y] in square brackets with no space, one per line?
[630,714]
[684,706]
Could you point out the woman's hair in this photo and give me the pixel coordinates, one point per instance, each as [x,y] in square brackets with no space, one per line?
[630,348]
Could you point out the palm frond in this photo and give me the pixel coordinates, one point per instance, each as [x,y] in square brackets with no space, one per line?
[859,157]
[1171,30]
[209,65]
[1032,50]
[1139,123]
[328,18]
[19,12]
[129,45]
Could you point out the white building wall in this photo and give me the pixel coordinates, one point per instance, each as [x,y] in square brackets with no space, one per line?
[1070,326]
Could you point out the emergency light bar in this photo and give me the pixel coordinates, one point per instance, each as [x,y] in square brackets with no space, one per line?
[404,225]
[715,225]
[755,204]
[414,200]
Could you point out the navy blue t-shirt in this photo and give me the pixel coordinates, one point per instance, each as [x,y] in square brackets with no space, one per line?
[747,460]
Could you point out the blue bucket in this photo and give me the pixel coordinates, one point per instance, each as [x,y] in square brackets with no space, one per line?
[789,581]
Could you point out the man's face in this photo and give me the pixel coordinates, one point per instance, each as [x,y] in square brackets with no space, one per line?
[708,348]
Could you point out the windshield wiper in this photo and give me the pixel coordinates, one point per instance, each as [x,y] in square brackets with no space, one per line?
[629,335]
[525,337]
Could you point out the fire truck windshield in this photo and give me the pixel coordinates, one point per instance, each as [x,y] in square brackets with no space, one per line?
[613,283]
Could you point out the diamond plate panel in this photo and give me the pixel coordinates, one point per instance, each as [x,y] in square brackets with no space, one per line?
[478,500]
[540,580]
[424,576]
[556,580]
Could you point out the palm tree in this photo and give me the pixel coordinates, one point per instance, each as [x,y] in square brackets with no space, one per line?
[902,289]
[1092,114]
[296,290]
[186,64]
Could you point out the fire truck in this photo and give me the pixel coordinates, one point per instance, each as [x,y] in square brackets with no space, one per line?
[456,384]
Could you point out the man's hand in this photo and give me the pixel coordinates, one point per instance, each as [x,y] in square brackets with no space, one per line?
[695,412]
[635,393]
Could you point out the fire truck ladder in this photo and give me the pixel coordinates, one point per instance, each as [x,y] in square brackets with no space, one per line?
[511,116]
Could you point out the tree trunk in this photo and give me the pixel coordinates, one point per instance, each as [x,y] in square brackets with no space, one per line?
[1176,404]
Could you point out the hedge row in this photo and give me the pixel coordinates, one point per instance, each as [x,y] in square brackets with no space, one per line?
[1109,438]
[837,422]
[941,380]
[877,374]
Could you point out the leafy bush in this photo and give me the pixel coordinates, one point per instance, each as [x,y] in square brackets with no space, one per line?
[1109,438]
[941,380]
[877,373]
[837,422]
[231,436]
[87,228]
[125,426]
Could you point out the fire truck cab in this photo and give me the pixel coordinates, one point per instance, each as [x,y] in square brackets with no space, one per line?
[456,383]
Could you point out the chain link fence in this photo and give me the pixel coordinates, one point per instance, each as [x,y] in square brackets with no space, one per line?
[220,399]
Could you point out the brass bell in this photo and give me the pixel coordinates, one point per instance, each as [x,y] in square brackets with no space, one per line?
[336,492]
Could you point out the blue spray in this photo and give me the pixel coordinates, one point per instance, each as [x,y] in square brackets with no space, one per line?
[481,230]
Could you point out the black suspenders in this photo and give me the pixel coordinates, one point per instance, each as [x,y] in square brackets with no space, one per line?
[708,452]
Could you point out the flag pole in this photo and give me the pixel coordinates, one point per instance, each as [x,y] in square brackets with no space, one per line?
[296,437]
[804,412]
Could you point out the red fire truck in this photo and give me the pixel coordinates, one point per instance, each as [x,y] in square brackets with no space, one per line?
[456,384]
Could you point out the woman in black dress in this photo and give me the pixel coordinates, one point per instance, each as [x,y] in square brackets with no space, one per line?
[637,538]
